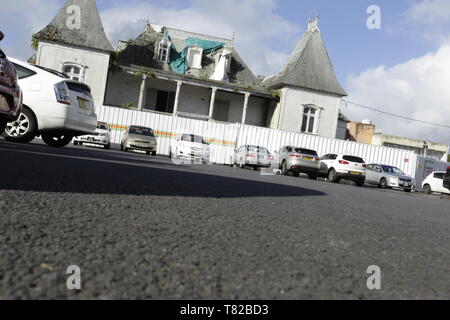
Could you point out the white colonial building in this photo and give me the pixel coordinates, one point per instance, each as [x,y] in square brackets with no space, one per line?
[192,75]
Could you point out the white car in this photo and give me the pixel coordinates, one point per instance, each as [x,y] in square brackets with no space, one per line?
[253,156]
[336,166]
[191,147]
[54,107]
[100,138]
[435,183]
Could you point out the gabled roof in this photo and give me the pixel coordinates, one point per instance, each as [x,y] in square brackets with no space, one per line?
[309,66]
[88,33]
[140,52]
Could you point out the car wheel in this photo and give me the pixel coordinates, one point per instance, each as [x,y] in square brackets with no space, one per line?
[313,176]
[284,169]
[296,174]
[427,189]
[154,153]
[241,164]
[360,182]
[2,125]
[332,176]
[23,130]
[383,184]
[57,140]
[75,143]
[108,146]
[408,190]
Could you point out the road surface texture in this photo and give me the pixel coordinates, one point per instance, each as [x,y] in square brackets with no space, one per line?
[140,227]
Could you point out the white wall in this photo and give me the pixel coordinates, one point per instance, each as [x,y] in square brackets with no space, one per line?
[122,88]
[225,137]
[292,101]
[54,56]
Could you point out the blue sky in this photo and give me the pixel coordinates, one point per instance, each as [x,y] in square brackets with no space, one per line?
[403,68]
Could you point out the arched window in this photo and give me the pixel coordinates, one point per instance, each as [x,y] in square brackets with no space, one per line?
[74,72]
[310,119]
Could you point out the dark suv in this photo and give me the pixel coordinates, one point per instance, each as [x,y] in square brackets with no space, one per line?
[447,179]
[10,93]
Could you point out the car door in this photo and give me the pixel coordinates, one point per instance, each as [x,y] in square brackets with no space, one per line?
[324,164]
[373,174]
[437,182]
[370,174]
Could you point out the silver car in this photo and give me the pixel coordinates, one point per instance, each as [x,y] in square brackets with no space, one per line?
[299,160]
[387,177]
[253,156]
[139,138]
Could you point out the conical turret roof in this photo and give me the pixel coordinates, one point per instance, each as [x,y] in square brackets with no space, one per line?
[78,23]
[309,66]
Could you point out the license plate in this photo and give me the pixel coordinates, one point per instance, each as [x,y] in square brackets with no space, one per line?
[83,104]
[355,173]
[308,158]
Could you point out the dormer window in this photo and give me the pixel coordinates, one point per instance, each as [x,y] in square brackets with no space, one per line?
[194,57]
[163,51]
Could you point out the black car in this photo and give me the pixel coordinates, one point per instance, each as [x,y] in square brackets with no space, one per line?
[447,179]
[10,93]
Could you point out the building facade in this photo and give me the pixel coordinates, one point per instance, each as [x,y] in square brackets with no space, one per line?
[192,75]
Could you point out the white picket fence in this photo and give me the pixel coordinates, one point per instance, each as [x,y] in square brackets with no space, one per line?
[225,138]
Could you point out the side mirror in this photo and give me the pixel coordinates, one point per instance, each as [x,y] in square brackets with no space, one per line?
[1,36]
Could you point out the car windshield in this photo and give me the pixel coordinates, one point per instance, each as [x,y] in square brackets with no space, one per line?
[353,159]
[193,138]
[142,131]
[390,169]
[306,151]
[102,126]
[258,149]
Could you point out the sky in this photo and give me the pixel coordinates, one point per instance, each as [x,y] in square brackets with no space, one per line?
[401,68]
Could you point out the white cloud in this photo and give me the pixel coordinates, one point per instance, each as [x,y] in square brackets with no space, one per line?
[429,19]
[19,19]
[418,88]
[263,38]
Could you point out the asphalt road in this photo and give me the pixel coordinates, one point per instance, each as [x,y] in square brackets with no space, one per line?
[143,228]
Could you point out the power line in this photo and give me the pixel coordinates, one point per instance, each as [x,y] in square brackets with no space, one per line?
[397,115]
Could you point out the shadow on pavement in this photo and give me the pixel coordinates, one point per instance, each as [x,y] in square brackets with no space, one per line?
[27,168]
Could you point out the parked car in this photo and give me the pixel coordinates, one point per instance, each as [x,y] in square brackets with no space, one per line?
[54,107]
[253,156]
[387,177]
[139,138]
[336,167]
[299,160]
[101,136]
[190,147]
[10,92]
[435,183]
[447,179]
